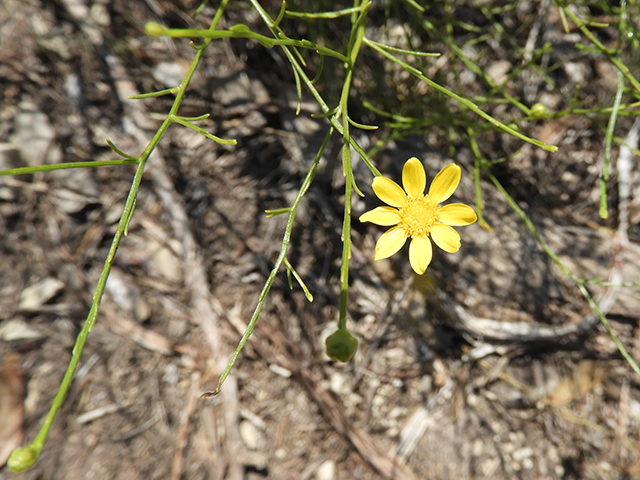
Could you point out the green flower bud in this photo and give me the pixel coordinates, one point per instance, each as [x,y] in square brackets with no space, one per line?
[341,346]
[154,29]
[22,459]
[538,110]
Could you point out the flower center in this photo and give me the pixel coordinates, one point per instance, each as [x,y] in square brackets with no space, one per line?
[418,215]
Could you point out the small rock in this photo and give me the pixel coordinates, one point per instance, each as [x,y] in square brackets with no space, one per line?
[634,410]
[73,89]
[127,296]
[498,71]
[467,77]
[40,293]
[80,183]
[607,74]
[477,447]
[16,330]
[278,370]
[252,437]
[237,88]
[164,261]
[522,453]
[100,15]
[34,136]
[577,72]
[171,375]
[489,466]
[338,384]
[68,201]
[90,440]
[169,74]
[326,471]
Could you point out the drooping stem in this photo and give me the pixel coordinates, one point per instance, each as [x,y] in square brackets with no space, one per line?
[286,239]
[23,458]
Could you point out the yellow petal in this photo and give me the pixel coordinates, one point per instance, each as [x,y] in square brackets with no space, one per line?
[390,242]
[445,237]
[389,191]
[457,215]
[445,183]
[385,216]
[420,254]
[414,179]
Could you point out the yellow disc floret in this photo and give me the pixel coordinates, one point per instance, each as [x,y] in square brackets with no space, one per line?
[418,216]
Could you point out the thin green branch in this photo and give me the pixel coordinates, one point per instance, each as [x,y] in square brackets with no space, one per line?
[286,239]
[335,14]
[241,31]
[120,152]
[478,160]
[355,41]
[604,177]
[578,281]
[159,93]
[292,271]
[362,126]
[24,457]
[607,326]
[472,66]
[65,166]
[314,92]
[283,10]
[406,52]
[183,121]
[607,52]
[467,103]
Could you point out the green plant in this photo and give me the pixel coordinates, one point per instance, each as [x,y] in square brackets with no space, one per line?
[399,124]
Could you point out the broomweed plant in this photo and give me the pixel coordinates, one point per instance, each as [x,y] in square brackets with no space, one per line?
[412,214]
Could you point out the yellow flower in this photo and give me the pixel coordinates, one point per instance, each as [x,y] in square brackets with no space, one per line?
[416,215]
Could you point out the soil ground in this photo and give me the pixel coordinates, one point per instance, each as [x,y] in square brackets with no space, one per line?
[527,385]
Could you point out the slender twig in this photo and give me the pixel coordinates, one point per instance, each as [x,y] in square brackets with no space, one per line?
[23,458]
[286,239]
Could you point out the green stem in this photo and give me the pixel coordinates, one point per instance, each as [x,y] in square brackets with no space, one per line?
[467,103]
[472,66]
[333,14]
[64,166]
[286,239]
[622,68]
[604,177]
[242,31]
[605,323]
[23,458]
[477,163]
[335,123]
[41,437]
[355,42]
[578,281]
